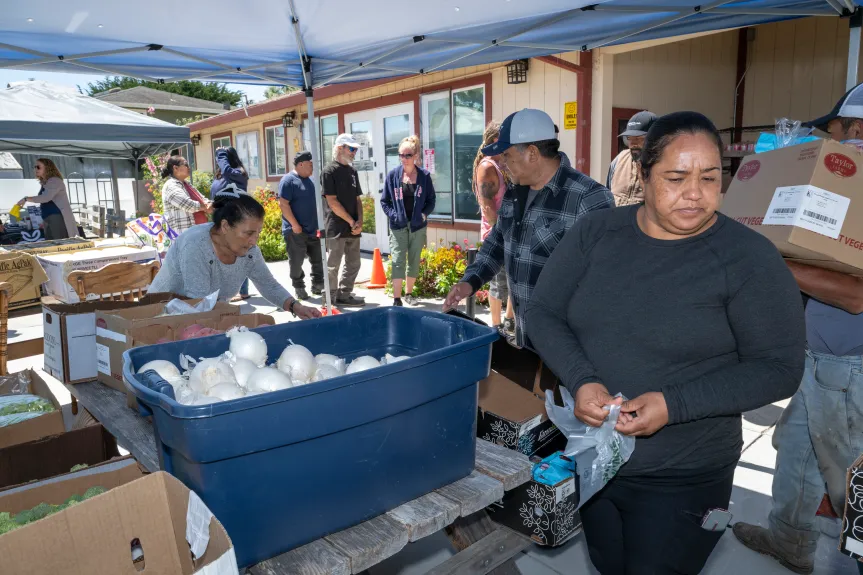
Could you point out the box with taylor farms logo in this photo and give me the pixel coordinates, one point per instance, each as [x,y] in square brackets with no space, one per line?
[807,200]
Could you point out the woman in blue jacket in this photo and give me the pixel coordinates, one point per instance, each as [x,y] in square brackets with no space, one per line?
[407,200]
[231,176]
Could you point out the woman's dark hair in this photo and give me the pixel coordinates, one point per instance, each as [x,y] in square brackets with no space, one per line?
[233,161]
[172,162]
[548,149]
[667,128]
[234,208]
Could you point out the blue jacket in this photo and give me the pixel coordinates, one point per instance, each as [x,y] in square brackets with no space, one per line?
[229,176]
[392,202]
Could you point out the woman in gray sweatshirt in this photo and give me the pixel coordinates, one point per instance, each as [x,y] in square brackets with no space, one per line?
[691,316]
[222,255]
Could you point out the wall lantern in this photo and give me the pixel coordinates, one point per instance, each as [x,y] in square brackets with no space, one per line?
[516,72]
[288,119]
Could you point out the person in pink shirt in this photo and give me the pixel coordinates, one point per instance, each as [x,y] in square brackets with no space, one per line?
[489,185]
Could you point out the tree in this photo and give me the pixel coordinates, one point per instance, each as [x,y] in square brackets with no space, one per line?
[209,91]
[275,91]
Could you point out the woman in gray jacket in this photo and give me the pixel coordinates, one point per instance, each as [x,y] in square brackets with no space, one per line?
[57,217]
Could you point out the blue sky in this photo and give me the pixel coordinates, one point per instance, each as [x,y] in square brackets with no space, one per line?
[254,92]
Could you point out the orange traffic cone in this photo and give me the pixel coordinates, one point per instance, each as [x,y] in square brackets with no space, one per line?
[379,278]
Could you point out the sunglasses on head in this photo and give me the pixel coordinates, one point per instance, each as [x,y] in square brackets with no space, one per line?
[406,156]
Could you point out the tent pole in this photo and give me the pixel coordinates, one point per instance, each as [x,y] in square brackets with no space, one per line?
[115,184]
[854,49]
[316,175]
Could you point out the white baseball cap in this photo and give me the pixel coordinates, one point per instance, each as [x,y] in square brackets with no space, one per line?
[347,140]
[849,106]
[524,127]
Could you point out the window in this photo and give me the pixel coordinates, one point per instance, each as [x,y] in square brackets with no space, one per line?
[328,130]
[223,142]
[277,155]
[453,124]
[247,149]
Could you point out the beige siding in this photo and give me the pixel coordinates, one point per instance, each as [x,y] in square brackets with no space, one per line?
[696,74]
[797,70]
[547,88]
[446,236]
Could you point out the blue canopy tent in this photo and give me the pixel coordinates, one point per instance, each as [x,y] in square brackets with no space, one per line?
[313,43]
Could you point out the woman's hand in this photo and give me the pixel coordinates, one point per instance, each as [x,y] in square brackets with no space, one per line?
[306,312]
[22,201]
[644,415]
[590,402]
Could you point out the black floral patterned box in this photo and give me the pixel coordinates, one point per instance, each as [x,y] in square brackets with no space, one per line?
[851,539]
[515,418]
[545,513]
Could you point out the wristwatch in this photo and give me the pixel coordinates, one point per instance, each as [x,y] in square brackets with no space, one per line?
[291,307]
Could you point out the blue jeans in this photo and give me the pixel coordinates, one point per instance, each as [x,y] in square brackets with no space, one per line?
[818,437]
[244,289]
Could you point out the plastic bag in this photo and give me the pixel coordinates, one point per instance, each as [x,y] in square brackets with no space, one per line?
[599,452]
[179,307]
[17,408]
[788,133]
[15,383]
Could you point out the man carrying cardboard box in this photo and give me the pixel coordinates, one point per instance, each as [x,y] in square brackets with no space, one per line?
[819,434]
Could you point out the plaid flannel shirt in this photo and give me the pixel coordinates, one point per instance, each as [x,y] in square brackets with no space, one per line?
[178,208]
[525,248]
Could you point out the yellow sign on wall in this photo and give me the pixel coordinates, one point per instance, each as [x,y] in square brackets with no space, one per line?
[570,115]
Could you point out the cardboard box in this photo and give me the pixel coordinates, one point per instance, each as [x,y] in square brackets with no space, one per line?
[151,334]
[522,366]
[851,538]
[515,418]
[38,427]
[807,200]
[547,514]
[152,525]
[52,246]
[113,327]
[70,335]
[26,275]
[59,266]
[57,489]
[55,455]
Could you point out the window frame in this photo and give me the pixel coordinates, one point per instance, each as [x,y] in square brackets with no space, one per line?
[214,146]
[270,176]
[256,133]
[452,139]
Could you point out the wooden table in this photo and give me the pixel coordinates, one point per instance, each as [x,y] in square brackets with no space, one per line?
[459,506]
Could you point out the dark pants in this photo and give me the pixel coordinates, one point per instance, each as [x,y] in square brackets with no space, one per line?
[54,227]
[300,245]
[244,289]
[633,528]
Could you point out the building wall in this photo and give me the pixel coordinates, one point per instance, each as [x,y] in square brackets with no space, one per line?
[697,74]
[796,70]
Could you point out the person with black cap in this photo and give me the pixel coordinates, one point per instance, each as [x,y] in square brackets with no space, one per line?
[300,225]
[820,432]
[547,198]
[622,177]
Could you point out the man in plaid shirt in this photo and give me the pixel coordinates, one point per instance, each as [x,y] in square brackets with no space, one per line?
[548,198]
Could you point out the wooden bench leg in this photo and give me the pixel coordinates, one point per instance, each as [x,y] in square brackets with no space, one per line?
[74,406]
[467,531]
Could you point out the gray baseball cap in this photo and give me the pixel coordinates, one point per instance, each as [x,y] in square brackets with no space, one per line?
[639,124]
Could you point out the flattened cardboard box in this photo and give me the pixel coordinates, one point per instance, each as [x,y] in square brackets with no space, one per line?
[38,427]
[53,246]
[26,275]
[70,335]
[113,327]
[58,266]
[807,200]
[851,538]
[545,513]
[155,515]
[55,455]
[513,417]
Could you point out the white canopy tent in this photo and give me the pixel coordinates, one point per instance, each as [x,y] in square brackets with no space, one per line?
[313,43]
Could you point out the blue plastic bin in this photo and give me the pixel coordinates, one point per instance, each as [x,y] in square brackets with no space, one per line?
[285,468]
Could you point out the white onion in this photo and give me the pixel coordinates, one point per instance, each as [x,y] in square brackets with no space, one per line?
[388,359]
[184,394]
[225,391]
[243,369]
[164,368]
[267,379]
[247,344]
[210,372]
[326,359]
[362,363]
[298,362]
[326,372]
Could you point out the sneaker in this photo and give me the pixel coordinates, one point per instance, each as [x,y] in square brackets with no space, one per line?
[350,300]
[397,302]
[317,290]
[410,299]
[301,293]
[760,540]
[509,325]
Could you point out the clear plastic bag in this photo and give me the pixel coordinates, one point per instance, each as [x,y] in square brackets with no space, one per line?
[15,383]
[787,133]
[179,307]
[17,408]
[599,452]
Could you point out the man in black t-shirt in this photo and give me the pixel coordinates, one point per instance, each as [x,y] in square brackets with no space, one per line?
[344,222]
